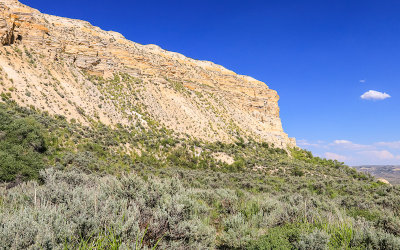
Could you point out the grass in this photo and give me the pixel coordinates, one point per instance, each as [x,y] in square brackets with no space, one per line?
[78,187]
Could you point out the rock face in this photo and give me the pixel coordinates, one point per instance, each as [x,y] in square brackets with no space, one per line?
[71,68]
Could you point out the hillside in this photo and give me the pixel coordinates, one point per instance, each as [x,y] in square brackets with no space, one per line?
[108,144]
[389,173]
[71,68]
[72,186]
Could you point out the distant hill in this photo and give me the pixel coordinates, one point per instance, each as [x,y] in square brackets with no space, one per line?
[388,172]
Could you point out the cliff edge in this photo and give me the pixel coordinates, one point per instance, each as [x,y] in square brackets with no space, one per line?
[71,68]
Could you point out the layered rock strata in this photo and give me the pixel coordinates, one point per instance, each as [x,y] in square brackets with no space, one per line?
[71,68]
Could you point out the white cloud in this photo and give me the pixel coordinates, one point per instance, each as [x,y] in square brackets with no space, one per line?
[349,145]
[353,154]
[362,81]
[382,155]
[334,156]
[346,142]
[374,95]
[313,145]
[303,142]
[393,144]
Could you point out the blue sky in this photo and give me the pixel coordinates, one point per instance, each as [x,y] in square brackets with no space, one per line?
[321,57]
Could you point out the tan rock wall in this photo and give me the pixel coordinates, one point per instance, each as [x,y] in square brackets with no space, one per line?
[51,57]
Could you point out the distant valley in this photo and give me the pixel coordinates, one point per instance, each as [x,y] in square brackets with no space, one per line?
[390,173]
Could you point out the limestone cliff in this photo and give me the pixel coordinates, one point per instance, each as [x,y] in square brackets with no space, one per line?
[71,68]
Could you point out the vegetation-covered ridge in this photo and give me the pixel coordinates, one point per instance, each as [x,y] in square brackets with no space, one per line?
[70,186]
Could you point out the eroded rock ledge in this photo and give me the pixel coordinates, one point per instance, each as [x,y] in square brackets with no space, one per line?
[71,68]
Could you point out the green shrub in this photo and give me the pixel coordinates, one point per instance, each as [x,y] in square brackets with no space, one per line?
[281,237]
[22,147]
[317,240]
[72,208]
[297,171]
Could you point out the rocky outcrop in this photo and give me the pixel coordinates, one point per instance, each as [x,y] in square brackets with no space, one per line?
[72,68]
[381,180]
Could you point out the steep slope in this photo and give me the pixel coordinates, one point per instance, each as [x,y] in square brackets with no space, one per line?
[71,68]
